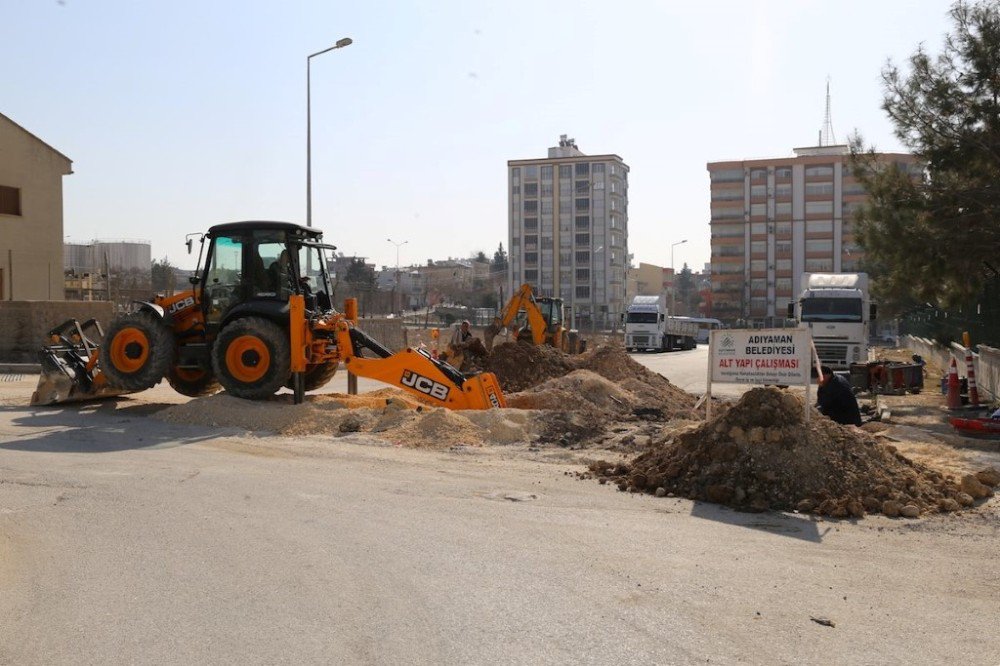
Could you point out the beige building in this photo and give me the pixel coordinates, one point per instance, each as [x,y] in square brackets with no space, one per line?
[774,219]
[568,229]
[31,215]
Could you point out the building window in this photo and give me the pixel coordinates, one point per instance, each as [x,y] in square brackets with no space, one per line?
[728,230]
[758,190]
[547,207]
[10,200]
[583,291]
[531,275]
[565,171]
[531,173]
[819,227]
[516,189]
[531,224]
[758,210]
[583,257]
[583,239]
[783,264]
[758,247]
[783,190]
[819,246]
[783,247]
[813,189]
[531,189]
[583,274]
[727,175]
[531,257]
[582,222]
[583,170]
[530,206]
[582,205]
[583,187]
[729,194]
[783,172]
[783,208]
[819,265]
[822,170]
[819,208]
[515,172]
[783,228]
[758,174]
[547,173]
[726,213]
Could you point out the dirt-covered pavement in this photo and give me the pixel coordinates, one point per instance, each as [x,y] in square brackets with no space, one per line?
[130,535]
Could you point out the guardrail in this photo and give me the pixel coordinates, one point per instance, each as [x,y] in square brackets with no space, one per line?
[986,362]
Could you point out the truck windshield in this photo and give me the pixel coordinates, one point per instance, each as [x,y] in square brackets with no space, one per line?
[831,309]
[641,318]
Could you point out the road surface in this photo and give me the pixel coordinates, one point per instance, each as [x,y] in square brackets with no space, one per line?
[128,540]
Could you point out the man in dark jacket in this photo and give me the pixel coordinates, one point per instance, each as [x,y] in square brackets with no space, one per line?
[835,399]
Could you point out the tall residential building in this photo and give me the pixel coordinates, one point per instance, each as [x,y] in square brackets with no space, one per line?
[774,219]
[568,229]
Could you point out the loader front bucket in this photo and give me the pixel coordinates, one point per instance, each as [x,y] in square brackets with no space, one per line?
[69,367]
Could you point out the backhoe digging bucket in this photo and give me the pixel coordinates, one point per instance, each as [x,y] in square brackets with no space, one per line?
[69,366]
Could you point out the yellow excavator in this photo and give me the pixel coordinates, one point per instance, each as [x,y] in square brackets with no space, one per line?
[536,319]
[258,317]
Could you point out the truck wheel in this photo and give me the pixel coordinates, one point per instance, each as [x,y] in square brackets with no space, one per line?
[251,358]
[192,383]
[317,376]
[137,351]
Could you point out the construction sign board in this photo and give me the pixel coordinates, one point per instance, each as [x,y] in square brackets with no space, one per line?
[762,356]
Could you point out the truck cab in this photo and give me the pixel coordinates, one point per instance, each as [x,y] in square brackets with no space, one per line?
[838,311]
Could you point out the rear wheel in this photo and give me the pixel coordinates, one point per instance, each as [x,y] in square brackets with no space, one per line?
[251,358]
[137,351]
[192,383]
[317,376]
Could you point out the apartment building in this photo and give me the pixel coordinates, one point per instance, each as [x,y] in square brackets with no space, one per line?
[774,219]
[568,230]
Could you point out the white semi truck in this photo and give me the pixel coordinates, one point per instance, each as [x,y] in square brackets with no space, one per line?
[838,310]
[649,327]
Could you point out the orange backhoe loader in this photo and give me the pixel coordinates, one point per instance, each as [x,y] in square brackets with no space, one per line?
[258,317]
[537,319]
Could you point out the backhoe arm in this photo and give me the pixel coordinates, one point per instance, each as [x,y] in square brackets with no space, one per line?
[416,372]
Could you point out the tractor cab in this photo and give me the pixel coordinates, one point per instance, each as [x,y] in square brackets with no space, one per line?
[552,312]
[254,267]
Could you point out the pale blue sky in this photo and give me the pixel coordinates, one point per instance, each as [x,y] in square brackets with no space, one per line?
[178,115]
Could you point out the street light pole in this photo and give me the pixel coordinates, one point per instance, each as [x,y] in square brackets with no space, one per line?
[341,43]
[673,276]
[396,283]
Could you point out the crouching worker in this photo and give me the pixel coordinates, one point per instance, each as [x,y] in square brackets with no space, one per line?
[463,345]
[835,399]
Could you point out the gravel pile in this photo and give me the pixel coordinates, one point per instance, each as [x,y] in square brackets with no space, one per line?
[760,454]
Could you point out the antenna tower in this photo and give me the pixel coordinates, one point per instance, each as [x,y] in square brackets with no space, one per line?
[826,136]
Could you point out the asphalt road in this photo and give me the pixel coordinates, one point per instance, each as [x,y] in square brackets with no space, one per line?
[127,540]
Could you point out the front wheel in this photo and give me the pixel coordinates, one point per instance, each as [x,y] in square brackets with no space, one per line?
[251,358]
[137,351]
[192,383]
[316,376]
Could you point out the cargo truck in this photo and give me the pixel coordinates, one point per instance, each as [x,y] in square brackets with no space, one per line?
[649,327]
[838,310]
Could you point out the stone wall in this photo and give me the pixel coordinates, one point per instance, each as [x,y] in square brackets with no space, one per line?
[24,325]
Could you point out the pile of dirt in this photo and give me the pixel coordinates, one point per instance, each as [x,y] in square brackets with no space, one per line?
[651,390]
[389,414]
[760,454]
[521,365]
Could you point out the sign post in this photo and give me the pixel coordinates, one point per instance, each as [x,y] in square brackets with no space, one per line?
[775,356]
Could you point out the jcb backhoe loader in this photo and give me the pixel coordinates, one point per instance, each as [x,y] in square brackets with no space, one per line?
[536,319]
[258,317]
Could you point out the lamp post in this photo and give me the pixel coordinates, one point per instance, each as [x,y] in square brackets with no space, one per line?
[673,276]
[395,286]
[341,43]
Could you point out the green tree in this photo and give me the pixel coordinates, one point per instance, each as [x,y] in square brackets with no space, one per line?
[499,263]
[359,274]
[687,291]
[929,234]
[480,256]
[163,277]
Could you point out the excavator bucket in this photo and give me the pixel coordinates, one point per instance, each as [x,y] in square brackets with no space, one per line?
[69,366]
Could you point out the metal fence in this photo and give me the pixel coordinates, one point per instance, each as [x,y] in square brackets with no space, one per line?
[986,362]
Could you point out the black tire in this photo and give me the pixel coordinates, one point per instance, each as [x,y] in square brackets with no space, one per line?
[317,376]
[193,383]
[251,358]
[137,351]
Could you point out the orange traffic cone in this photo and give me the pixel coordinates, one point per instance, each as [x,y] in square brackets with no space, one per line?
[954,390]
[970,374]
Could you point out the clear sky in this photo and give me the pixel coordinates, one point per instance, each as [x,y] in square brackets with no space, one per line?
[182,114]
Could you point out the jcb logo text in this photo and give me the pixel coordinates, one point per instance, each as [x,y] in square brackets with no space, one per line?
[424,385]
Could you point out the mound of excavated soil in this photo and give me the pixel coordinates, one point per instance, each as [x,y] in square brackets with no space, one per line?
[760,454]
[580,389]
[388,414]
[521,365]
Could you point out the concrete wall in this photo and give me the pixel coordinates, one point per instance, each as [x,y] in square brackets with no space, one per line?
[24,325]
[31,254]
